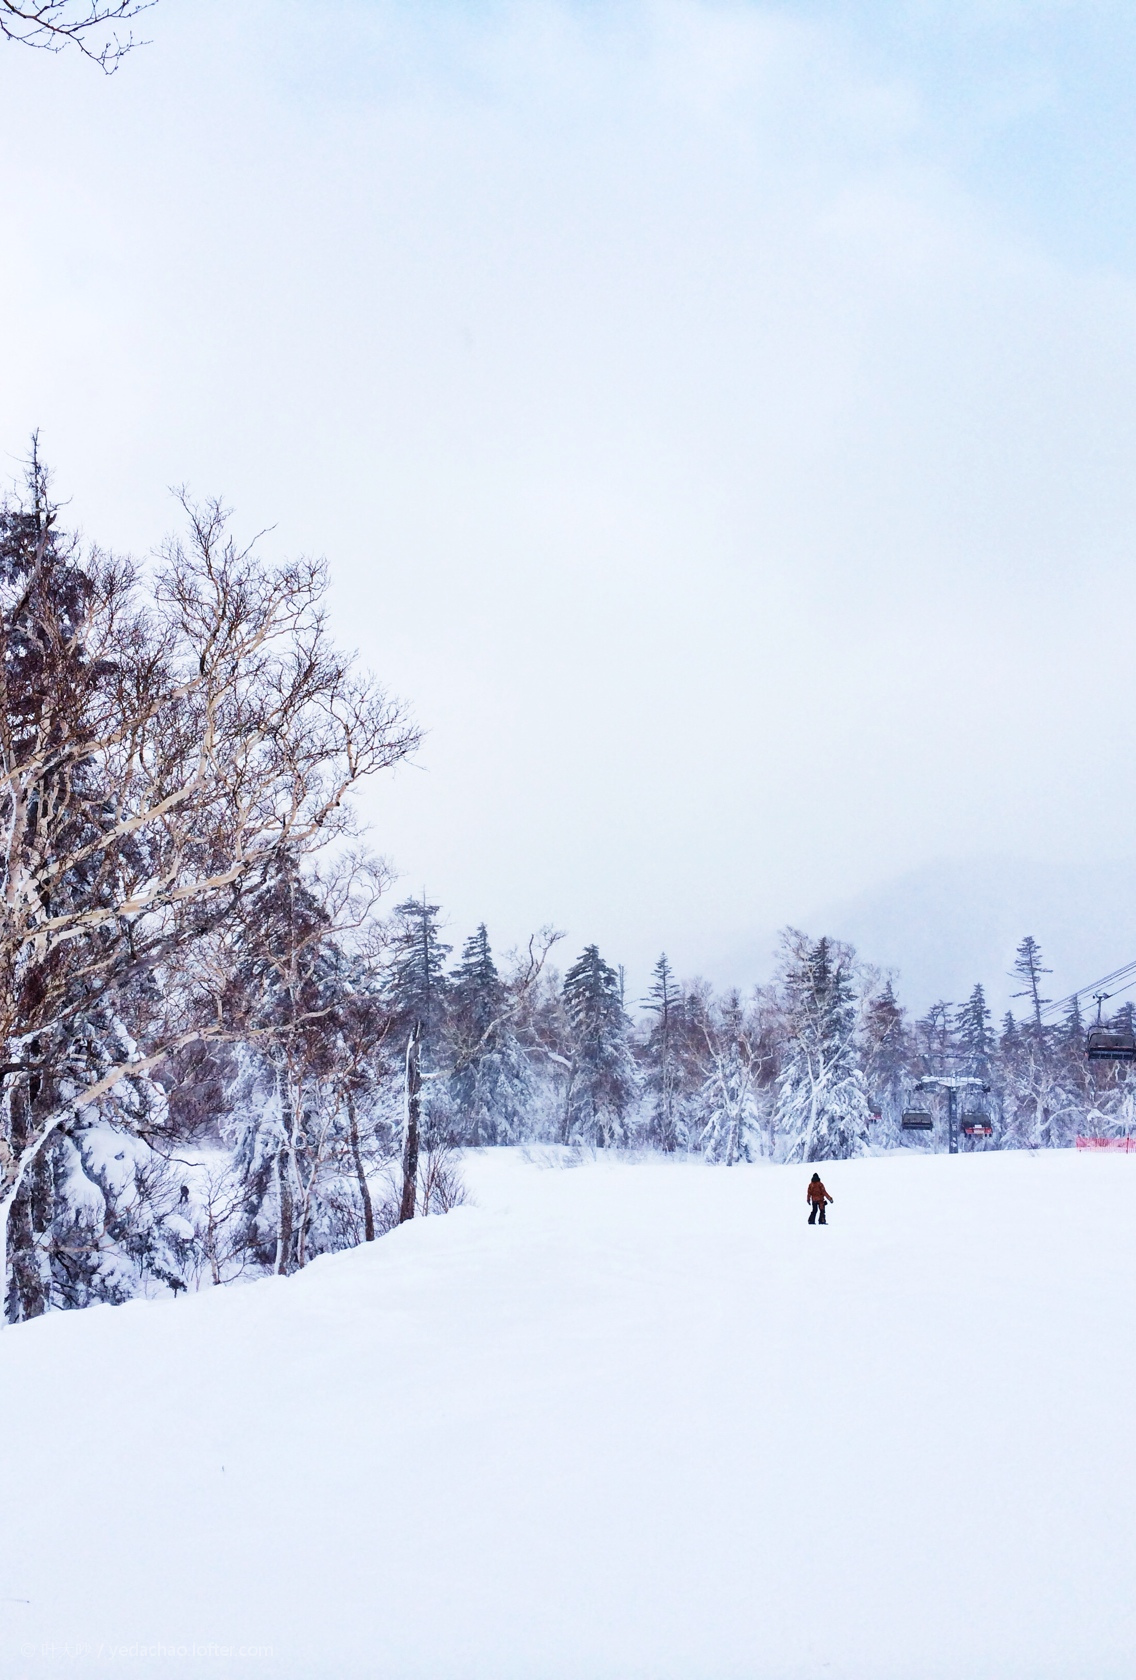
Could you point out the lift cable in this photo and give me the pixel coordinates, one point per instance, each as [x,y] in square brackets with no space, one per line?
[1118,981]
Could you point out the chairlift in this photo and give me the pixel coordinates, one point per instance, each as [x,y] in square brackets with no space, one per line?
[1109,1044]
[976,1125]
[917,1120]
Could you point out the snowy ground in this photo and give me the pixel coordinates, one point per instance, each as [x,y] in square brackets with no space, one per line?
[631,1420]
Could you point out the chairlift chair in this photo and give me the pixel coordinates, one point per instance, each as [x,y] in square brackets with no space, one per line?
[916,1120]
[976,1125]
[1109,1044]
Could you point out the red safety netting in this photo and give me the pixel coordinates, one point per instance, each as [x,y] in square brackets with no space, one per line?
[1125,1146]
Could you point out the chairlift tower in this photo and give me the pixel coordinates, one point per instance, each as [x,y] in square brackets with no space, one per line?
[952,1084]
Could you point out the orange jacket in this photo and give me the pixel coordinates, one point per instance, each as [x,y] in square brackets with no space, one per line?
[817,1193]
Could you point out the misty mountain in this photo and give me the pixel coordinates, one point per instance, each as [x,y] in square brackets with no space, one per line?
[948,924]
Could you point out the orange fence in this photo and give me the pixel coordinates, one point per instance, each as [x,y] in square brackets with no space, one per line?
[1124,1145]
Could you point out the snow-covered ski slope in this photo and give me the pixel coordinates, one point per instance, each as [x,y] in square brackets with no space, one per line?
[629,1421]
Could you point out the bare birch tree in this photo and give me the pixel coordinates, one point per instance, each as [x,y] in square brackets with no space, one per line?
[162,746]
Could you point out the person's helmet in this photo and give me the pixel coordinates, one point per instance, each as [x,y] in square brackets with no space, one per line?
[816,1178]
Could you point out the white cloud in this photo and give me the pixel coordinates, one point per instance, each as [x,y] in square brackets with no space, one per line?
[744,507]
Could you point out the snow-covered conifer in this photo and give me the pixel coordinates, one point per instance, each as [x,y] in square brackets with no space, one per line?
[492,1087]
[887,1061]
[726,1102]
[416,985]
[601,1085]
[667,1118]
[973,1036]
[300,1002]
[1029,968]
[1038,1109]
[822,1108]
[97,1220]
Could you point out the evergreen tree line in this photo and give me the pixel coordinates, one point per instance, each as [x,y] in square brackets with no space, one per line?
[222,1056]
[307,1128]
[819,1064]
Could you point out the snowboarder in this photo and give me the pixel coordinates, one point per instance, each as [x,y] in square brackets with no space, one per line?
[817,1196]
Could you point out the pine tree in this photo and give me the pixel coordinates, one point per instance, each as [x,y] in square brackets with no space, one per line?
[601,1082]
[666,1117]
[887,1057]
[1029,968]
[1074,1072]
[492,1086]
[1123,1021]
[417,992]
[416,985]
[822,1106]
[287,983]
[976,1049]
[973,1035]
[1039,1110]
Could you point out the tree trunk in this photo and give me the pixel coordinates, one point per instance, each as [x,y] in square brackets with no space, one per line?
[211,1247]
[566,1122]
[283,1214]
[357,1157]
[315,1149]
[302,1225]
[27,1294]
[27,1211]
[27,1298]
[410,1138]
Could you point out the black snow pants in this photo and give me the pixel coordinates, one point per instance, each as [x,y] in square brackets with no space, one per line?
[818,1207]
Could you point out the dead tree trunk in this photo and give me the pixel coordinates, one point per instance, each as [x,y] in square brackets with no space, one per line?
[410,1136]
[357,1157]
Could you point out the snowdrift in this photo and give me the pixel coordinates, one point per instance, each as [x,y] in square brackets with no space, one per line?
[633,1419]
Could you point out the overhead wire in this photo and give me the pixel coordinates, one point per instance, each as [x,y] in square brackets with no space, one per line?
[1126,973]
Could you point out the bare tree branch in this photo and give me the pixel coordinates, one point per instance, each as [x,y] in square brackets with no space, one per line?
[89,25]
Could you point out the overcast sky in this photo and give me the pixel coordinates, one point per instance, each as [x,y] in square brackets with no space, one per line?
[719,418]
